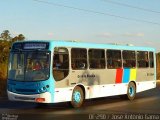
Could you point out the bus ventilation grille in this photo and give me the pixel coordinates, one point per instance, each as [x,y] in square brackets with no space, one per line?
[25,90]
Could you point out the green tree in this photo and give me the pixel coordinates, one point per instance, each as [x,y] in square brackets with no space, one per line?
[20,37]
[5,43]
[5,35]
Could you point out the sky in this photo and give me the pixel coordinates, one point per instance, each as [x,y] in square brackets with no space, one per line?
[123,22]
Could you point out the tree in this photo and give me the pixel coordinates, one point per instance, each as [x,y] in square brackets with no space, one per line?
[5,35]
[20,37]
[6,42]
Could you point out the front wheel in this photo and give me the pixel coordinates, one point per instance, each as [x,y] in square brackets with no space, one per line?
[131,91]
[77,97]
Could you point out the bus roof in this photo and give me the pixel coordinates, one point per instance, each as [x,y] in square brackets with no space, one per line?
[61,43]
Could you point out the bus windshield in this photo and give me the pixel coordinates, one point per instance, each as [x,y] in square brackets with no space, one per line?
[29,66]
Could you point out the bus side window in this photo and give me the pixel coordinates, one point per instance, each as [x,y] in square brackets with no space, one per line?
[114,59]
[78,58]
[97,59]
[129,59]
[142,59]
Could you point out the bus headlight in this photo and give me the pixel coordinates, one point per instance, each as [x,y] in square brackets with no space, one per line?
[40,100]
[42,90]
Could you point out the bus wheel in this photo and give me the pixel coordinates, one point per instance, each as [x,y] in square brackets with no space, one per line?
[131,91]
[77,97]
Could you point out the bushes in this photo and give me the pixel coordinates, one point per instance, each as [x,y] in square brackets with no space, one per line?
[3,88]
[3,79]
[3,71]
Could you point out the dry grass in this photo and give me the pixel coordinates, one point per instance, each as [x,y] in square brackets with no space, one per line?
[3,89]
[3,77]
[3,71]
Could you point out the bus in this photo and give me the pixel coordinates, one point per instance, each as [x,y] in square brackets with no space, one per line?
[44,71]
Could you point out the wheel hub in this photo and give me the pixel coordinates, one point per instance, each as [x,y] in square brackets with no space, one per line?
[77,96]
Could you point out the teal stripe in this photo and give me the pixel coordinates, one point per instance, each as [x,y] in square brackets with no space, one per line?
[126,75]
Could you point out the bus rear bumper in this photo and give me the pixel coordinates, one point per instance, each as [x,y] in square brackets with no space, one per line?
[38,98]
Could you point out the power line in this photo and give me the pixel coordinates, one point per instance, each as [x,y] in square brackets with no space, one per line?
[95,12]
[130,6]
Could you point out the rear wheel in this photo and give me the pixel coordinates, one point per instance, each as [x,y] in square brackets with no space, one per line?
[77,97]
[131,91]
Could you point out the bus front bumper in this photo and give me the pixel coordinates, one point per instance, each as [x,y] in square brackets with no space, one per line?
[38,98]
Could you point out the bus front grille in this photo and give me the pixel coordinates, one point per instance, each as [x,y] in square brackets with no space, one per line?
[23,98]
[25,90]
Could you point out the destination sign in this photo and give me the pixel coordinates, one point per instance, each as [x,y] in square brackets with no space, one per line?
[30,45]
[35,46]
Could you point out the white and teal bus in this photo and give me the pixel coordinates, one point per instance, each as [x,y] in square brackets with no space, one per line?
[61,71]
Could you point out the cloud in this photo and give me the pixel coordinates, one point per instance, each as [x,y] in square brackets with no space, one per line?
[133,34]
[105,35]
[149,42]
[127,34]
[15,33]
[50,34]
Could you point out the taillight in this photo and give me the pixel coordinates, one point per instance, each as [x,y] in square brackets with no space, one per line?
[40,100]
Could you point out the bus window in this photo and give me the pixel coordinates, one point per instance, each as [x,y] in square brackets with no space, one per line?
[79,58]
[129,59]
[29,66]
[142,59]
[114,59]
[60,63]
[96,59]
[151,59]
[37,66]
[16,66]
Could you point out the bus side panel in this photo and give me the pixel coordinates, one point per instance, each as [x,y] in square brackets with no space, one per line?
[95,81]
[105,90]
[145,79]
[145,85]
[145,74]
[63,94]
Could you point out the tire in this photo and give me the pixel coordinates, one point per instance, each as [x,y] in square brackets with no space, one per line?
[77,97]
[131,91]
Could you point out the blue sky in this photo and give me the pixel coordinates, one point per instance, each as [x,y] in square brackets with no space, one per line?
[44,21]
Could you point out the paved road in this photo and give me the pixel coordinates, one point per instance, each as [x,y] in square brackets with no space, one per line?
[145,106]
